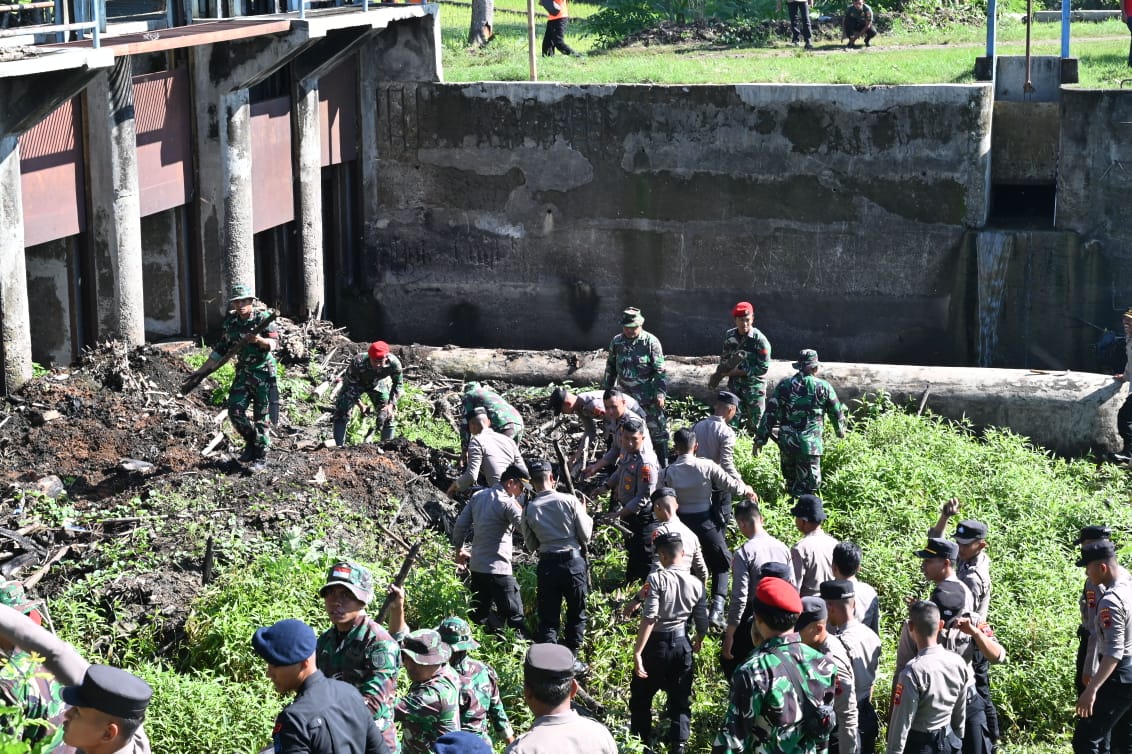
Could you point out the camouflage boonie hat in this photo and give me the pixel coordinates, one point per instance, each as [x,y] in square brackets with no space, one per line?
[354,577]
[456,633]
[806,359]
[632,317]
[13,595]
[241,290]
[425,647]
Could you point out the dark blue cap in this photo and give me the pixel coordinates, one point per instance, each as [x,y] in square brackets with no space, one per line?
[111,691]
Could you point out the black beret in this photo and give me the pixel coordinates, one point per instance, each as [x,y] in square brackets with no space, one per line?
[1095,551]
[728,398]
[813,610]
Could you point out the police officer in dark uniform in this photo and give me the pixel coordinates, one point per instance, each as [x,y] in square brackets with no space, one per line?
[1104,708]
[662,658]
[327,716]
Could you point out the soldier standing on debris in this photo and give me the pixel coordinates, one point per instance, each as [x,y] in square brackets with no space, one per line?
[557,527]
[505,418]
[356,649]
[493,514]
[479,686]
[745,361]
[796,411]
[255,370]
[636,364]
[377,373]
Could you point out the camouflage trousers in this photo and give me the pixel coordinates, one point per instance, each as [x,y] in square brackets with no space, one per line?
[251,388]
[350,396]
[801,471]
[752,404]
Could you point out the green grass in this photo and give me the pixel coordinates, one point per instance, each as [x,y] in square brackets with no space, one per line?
[899,57]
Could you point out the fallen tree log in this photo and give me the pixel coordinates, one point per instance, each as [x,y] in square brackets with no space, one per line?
[1070,413]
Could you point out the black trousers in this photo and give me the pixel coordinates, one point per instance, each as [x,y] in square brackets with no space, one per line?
[854,30]
[1124,415]
[741,648]
[668,662]
[1129,22]
[502,592]
[933,742]
[800,17]
[1110,727]
[868,725]
[638,549]
[1082,650]
[976,736]
[554,38]
[716,554]
[562,576]
[981,666]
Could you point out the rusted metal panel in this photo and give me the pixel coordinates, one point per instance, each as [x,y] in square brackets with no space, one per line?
[338,113]
[52,177]
[164,137]
[273,198]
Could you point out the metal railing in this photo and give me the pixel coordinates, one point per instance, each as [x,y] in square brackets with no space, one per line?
[59,27]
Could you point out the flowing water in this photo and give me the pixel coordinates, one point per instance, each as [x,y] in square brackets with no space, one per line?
[994,248]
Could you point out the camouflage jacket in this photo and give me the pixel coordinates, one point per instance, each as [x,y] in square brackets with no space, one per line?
[428,710]
[479,699]
[250,356]
[858,17]
[765,712]
[23,684]
[637,366]
[796,408]
[751,352]
[499,411]
[368,659]
[360,373]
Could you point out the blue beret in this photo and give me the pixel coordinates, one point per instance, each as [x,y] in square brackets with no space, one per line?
[287,642]
[460,742]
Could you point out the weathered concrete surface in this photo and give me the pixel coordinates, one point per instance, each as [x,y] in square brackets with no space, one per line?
[55,337]
[530,214]
[116,206]
[1070,413]
[15,330]
[1024,143]
[1047,74]
[163,238]
[1094,184]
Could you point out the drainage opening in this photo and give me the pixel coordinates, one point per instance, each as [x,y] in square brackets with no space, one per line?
[1028,205]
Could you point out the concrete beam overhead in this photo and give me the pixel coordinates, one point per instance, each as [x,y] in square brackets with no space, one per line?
[30,98]
[327,53]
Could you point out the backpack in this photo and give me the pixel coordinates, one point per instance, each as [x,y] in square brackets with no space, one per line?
[818,718]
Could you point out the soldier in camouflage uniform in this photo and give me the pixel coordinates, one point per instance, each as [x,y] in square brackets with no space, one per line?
[479,686]
[431,706]
[796,410]
[766,713]
[25,686]
[505,418]
[636,365]
[356,649]
[255,370]
[745,361]
[377,373]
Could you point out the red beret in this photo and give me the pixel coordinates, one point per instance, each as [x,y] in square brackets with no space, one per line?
[778,593]
[742,309]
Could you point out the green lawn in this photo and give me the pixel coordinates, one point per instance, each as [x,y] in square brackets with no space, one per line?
[898,57]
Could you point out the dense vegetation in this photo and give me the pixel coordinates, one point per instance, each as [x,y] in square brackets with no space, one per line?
[884,483]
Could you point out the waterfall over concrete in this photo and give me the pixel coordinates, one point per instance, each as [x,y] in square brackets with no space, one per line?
[994,248]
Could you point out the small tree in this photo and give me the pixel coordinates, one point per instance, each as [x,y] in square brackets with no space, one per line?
[483,19]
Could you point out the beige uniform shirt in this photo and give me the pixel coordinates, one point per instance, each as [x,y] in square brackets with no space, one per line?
[670,597]
[555,522]
[716,442]
[693,558]
[693,479]
[489,452]
[493,514]
[813,561]
[567,732]
[976,575]
[864,649]
[931,692]
[844,698]
[745,564]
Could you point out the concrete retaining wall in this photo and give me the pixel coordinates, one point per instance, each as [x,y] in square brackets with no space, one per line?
[528,215]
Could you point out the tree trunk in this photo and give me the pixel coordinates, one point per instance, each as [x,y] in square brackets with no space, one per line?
[483,21]
[1067,412]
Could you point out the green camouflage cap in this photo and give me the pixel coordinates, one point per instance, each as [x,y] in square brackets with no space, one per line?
[806,359]
[241,290]
[425,647]
[13,595]
[456,633]
[354,577]
[632,317]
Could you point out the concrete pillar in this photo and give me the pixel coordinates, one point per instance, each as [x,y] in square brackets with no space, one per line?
[307,130]
[116,209]
[15,320]
[239,252]
[368,78]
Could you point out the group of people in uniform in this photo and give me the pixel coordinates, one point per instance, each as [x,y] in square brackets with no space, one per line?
[798,631]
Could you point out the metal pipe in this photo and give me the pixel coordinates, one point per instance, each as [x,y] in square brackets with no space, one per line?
[531,38]
[992,30]
[99,13]
[1065,9]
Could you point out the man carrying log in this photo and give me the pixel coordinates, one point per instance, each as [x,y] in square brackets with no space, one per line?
[255,370]
[377,373]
